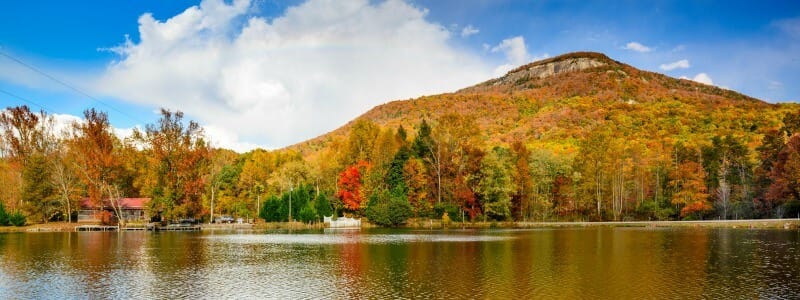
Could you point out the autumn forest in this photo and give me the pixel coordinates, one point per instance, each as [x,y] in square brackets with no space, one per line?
[579,137]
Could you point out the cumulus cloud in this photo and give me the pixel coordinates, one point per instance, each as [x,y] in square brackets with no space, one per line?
[469,30]
[252,81]
[635,46]
[681,64]
[63,122]
[514,49]
[516,54]
[62,125]
[701,78]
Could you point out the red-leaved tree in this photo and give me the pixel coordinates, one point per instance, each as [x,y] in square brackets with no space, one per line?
[350,184]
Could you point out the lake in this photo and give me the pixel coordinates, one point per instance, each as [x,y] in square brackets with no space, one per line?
[570,263]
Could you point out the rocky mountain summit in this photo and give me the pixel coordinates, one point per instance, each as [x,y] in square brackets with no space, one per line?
[550,67]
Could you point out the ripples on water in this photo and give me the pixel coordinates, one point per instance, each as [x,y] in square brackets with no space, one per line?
[622,263]
[350,238]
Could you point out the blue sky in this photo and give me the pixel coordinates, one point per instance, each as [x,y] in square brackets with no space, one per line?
[272,73]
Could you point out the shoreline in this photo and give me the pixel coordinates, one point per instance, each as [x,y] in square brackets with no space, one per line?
[750,223]
[437,224]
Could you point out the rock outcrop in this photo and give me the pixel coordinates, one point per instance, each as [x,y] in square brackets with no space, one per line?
[539,71]
[571,62]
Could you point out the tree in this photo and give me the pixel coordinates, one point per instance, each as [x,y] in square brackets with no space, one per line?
[394,176]
[28,141]
[4,221]
[521,177]
[388,208]
[322,205]
[350,184]
[725,161]
[785,175]
[11,185]
[97,157]
[551,190]
[38,190]
[24,133]
[178,155]
[422,142]
[689,180]
[495,185]
[427,149]
[64,178]
[271,210]
[455,154]
[592,164]
[93,144]
[771,146]
[221,172]
[417,182]
[361,141]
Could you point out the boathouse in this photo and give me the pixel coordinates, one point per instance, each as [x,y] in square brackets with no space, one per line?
[133,209]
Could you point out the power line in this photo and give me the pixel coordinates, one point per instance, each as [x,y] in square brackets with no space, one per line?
[26,100]
[70,86]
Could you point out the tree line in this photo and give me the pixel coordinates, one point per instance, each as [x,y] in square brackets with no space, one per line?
[442,167]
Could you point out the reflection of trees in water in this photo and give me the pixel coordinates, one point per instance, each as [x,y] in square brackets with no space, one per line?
[616,263]
[350,281]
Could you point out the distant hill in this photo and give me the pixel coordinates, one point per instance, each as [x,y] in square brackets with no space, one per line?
[556,102]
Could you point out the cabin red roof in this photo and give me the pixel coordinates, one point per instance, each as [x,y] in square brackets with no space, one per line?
[125,203]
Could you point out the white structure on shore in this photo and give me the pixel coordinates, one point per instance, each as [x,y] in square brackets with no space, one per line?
[342,222]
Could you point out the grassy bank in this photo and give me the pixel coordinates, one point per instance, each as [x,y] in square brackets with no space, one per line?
[761,223]
[437,224]
[44,227]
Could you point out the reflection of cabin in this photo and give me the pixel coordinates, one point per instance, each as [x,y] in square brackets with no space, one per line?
[342,222]
[132,209]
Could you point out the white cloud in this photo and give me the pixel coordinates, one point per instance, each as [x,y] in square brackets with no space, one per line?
[256,82]
[516,54]
[681,64]
[635,46]
[514,49]
[469,30]
[63,122]
[701,78]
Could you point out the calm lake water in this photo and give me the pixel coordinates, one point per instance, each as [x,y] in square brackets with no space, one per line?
[610,263]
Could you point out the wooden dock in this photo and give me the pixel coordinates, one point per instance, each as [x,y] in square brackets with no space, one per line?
[149,227]
[96,228]
[177,227]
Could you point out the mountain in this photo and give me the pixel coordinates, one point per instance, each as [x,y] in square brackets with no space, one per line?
[557,102]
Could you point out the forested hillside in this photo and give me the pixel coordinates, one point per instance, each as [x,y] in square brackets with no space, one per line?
[574,137]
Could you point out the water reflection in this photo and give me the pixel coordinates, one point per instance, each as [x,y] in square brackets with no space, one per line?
[608,263]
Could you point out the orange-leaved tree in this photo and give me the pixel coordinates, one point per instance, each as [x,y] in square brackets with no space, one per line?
[350,184]
[689,179]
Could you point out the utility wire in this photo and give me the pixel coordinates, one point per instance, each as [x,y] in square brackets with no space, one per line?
[26,100]
[70,86]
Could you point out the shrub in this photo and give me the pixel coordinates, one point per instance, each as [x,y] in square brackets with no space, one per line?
[388,209]
[452,210]
[307,214]
[3,216]
[17,219]
[323,206]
